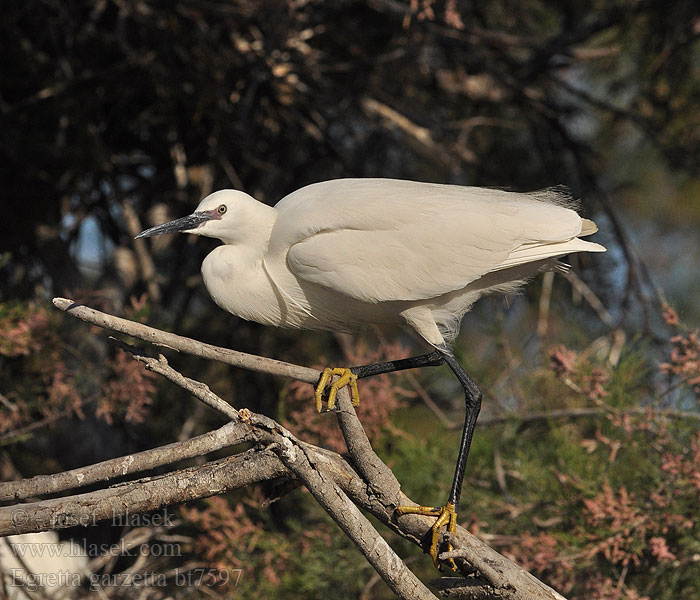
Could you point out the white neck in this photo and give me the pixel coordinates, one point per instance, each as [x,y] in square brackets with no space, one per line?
[234,274]
[254,222]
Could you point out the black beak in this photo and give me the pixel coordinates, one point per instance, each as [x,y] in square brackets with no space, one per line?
[184,224]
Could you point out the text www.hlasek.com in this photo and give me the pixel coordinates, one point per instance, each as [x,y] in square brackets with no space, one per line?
[70,548]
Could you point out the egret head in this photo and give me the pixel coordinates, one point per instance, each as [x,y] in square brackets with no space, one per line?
[217,216]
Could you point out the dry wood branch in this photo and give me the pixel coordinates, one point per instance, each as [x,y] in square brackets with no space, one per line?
[221,476]
[354,524]
[251,467]
[299,460]
[199,390]
[228,435]
[421,136]
[501,577]
[145,260]
[183,344]
[595,303]
[380,478]
[431,404]
[142,495]
[545,303]
[176,487]
[332,482]
[11,436]
[298,457]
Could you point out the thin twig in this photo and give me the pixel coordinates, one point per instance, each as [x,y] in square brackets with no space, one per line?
[380,478]
[354,524]
[143,255]
[299,459]
[572,413]
[545,303]
[431,404]
[199,390]
[595,303]
[20,432]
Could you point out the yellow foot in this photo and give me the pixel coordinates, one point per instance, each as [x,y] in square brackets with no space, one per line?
[346,377]
[446,515]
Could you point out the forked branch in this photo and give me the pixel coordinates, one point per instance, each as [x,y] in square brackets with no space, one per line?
[277,454]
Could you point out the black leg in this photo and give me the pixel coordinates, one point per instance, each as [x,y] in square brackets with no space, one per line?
[433,359]
[446,516]
[472,400]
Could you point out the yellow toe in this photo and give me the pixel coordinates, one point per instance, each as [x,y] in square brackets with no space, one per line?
[345,377]
[446,517]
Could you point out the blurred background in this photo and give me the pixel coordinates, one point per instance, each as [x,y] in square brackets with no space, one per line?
[116,115]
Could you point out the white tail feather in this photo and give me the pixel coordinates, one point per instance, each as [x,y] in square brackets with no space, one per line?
[588,227]
[533,252]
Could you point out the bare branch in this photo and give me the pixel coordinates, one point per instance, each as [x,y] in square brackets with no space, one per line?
[545,303]
[504,578]
[298,458]
[199,390]
[254,466]
[228,435]
[11,436]
[303,461]
[354,524]
[142,495]
[380,478]
[145,260]
[332,482]
[501,577]
[595,303]
[183,344]
[421,136]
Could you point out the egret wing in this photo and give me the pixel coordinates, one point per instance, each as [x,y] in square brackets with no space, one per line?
[382,240]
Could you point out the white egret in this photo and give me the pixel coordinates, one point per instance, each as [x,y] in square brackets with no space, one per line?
[338,254]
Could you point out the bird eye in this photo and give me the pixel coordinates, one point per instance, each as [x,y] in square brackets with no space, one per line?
[222,209]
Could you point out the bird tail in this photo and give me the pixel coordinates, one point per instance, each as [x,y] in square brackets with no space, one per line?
[534,252]
[588,227]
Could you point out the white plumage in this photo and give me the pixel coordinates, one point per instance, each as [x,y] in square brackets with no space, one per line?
[340,253]
[337,254]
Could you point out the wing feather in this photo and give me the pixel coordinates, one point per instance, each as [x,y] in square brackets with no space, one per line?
[381,240]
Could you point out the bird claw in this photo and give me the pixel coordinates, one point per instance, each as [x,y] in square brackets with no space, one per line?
[345,377]
[446,516]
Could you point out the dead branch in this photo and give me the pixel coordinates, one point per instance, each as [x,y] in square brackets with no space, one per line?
[143,255]
[500,574]
[199,390]
[142,495]
[299,459]
[228,435]
[381,479]
[183,344]
[277,454]
[573,413]
[594,302]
